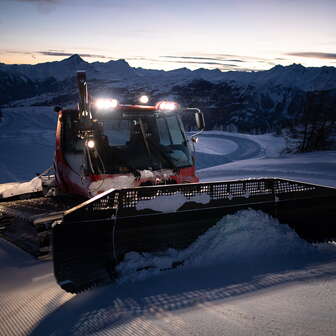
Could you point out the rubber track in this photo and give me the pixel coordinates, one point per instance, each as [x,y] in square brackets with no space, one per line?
[17,226]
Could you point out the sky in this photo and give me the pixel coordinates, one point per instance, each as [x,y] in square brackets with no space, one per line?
[228,35]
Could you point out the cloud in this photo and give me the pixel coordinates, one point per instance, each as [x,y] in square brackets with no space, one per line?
[79,3]
[201,63]
[179,61]
[58,53]
[186,60]
[191,58]
[43,6]
[66,54]
[216,59]
[39,1]
[234,60]
[313,55]
[227,58]
[16,52]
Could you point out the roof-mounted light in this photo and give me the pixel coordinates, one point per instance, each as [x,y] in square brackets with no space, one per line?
[167,106]
[90,143]
[143,99]
[106,103]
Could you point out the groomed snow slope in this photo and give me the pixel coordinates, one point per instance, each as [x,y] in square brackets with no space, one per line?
[27,142]
[264,156]
[248,275]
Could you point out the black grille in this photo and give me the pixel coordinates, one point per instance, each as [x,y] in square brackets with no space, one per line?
[208,194]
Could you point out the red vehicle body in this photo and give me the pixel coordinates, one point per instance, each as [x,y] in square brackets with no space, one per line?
[75,162]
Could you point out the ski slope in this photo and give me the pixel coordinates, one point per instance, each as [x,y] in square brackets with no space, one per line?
[264,156]
[27,142]
[248,275]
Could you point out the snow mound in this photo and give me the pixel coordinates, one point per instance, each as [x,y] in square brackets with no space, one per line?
[165,203]
[248,234]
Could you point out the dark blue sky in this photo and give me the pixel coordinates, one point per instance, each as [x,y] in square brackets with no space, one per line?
[250,34]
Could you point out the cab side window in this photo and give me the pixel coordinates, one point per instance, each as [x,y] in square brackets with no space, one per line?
[71,143]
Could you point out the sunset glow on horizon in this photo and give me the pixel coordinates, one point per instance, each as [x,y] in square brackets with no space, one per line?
[228,35]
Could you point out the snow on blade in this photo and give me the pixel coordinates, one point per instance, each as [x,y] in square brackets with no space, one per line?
[246,234]
[165,203]
[119,182]
[14,189]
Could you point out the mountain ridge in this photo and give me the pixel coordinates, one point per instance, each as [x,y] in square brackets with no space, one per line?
[262,101]
[293,76]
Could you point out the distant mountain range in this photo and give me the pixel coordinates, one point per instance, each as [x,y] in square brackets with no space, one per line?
[245,100]
[293,76]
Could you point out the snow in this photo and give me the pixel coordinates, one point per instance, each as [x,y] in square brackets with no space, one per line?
[126,181]
[317,167]
[27,142]
[118,182]
[216,146]
[13,189]
[245,236]
[171,203]
[248,275]
[267,160]
[272,146]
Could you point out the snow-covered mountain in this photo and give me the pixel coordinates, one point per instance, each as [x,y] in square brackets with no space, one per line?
[59,69]
[121,73]
[235,100]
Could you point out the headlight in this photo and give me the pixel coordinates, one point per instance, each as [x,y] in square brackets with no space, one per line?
[144,99]
[106,104]
[167,106]
[91,144]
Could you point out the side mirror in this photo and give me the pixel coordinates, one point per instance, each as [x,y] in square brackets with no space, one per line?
[200,123]
[199,117]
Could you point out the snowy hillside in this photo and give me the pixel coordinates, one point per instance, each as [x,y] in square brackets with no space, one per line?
[254,102]
[27,139]
[248,275]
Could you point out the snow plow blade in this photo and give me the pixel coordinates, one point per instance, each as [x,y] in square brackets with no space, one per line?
[93,237]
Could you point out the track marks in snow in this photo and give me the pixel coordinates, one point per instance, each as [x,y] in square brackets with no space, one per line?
[266,161]
[211,152]
[23,301]
[22,309]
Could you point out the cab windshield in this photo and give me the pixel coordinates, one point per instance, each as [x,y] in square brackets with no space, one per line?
[143,143]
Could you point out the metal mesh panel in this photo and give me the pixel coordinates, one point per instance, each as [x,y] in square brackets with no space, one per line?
[245,189]
[214,191]
[283,186]
[107,202]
